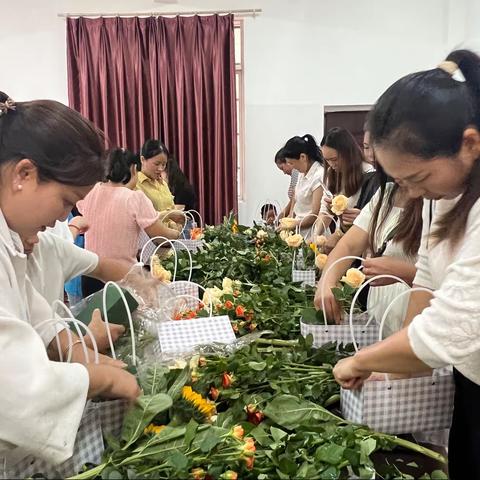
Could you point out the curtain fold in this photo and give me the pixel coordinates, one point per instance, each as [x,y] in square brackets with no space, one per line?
[166,78]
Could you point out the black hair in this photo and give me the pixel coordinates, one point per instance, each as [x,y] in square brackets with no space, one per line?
[64,146]
[280,156]
[179,185]
[348,179]
[119,164]
[425,114]
[266,207]
[306,145]
[408,230]
[152,148]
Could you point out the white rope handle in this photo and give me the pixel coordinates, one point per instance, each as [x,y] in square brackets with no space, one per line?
[78,324]
[186,296]
[150,240]
[191,212]
[387,311]
[129,315]
[336,222]
[324,276]
[190,271]
[158,247]
[170,212]
[355,297]
[58,303]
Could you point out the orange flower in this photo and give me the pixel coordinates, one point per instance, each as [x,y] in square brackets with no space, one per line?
[196,233]
[236,293]
[202,362]
[249,447]
[229,305]
[235,327]
[177,316]
[191,314]
[254,415]
[266,258]
[252,327]
[227,380]
[198,473]
[238,432]
[229,475]
[214,393]
[249,461]
[240,311]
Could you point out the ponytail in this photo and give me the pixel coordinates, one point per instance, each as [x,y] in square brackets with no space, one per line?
[119,164]
[306,145]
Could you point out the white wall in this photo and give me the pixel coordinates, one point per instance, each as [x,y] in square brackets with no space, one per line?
[300,55]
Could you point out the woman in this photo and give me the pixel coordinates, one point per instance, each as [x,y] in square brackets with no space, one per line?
[43,399]
[117,214]
[303,154]
[183,192]
[154,157]
[346,174]
[425,131]
[287,169]
[389,227]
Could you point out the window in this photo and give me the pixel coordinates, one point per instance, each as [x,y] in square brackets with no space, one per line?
[239,94]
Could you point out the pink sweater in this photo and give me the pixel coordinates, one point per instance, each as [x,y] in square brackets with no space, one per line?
[116,216]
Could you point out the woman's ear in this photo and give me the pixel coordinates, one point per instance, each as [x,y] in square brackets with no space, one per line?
[470,150]
[23,172]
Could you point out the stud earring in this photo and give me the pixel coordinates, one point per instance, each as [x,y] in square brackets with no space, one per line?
[19,187]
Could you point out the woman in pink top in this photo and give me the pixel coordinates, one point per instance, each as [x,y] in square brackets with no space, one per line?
[117,214]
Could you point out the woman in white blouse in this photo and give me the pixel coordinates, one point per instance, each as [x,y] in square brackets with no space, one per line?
[346,174]
[304,155]
[389,227]
[42,399]
[426,133]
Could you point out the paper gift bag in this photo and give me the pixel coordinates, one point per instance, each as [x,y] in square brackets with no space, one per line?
[111,414]
[402,405]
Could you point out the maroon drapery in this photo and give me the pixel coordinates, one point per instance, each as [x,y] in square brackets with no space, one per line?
[171,79]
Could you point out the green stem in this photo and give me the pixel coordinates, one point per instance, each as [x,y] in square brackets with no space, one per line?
[92,473]
[413,446]
[276,342]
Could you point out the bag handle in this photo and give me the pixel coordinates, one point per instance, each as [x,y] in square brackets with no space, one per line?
[129,315]
[190,271]
[150,240]
[190,214]
[261,203]
[186,296]
[158,247]
[387,311]
[355,297]
[64,321]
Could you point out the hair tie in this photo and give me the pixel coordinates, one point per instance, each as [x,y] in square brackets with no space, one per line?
[452,69]
[305,139]
[7,105]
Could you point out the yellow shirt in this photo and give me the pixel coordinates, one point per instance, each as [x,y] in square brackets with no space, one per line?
[157,192]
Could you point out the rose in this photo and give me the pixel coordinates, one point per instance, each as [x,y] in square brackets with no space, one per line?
[262,234]
[284,234]
[240,311]
[198,473]
[249,447]
[353,277]
[339,204]
[214,393]
[229,305]
[227,285]
[238,432]
[227,380]
[294,241]
[212,296]
[196,233]
[288,223]
[159,272]
[320,260]
[320,241]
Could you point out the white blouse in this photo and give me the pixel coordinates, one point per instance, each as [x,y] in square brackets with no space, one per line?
[448,331]
[42,401]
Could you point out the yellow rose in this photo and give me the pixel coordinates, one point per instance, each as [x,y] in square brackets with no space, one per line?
[227,285]
[212,296]
[159,272]
[339,204]
[353,277]
[284,234]
[320,241]
[313,247]
[320,260]
[288,223]
[262,234]
[294,241]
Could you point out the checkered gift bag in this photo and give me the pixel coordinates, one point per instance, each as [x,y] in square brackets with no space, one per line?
[189,290]
[178,336]
[88,448]
[111,414]
[420,404]
[186,242]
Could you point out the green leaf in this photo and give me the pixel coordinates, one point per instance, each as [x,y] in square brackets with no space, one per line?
[257,366]
[277,434]
[142,413]
[261,436]
[329,453]
[211,440]
[412,464]
[190,432]
[177,460]
[287,466]
[439,475]
[368,446]
[330,473]
[179,383]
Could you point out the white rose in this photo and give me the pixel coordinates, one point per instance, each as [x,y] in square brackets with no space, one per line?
[339,204]
[212,296]
[294,241]
[288,223]
[320,261]
[227,285]
[284,234]
[353,277]
[262,234]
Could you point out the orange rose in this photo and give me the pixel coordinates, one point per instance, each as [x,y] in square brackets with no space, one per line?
[227,380]
[240,311]
[229,305]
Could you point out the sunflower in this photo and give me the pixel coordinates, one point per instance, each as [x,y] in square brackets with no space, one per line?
[204,406]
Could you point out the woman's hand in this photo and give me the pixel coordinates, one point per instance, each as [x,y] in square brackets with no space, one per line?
[349,216]
[347,374]
[107,381]
[99,331]
[374,266]
[332,308]
[331,242]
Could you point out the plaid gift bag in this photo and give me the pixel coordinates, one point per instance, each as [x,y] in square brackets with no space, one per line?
[420,404]
[179,336]
[88,448]
[111,414]
[189,290]
[187,242]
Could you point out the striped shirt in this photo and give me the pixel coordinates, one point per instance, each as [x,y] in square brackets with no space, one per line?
[293,183]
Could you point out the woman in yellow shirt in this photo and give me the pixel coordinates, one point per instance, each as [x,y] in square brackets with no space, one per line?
[154,157]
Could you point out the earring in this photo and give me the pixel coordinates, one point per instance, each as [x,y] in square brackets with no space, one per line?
[19,187]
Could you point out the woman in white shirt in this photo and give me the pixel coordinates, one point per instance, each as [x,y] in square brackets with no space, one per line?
[50,157]
[425,130]
[346,174]
[389,227]
[304,155]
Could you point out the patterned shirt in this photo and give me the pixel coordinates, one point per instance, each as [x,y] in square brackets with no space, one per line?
[293,183]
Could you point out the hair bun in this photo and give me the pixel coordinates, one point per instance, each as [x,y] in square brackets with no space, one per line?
[6,104]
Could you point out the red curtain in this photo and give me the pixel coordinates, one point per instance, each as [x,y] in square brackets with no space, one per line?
[171,79]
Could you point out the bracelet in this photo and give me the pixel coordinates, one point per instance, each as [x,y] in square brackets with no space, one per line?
[70,225]
[69,347]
